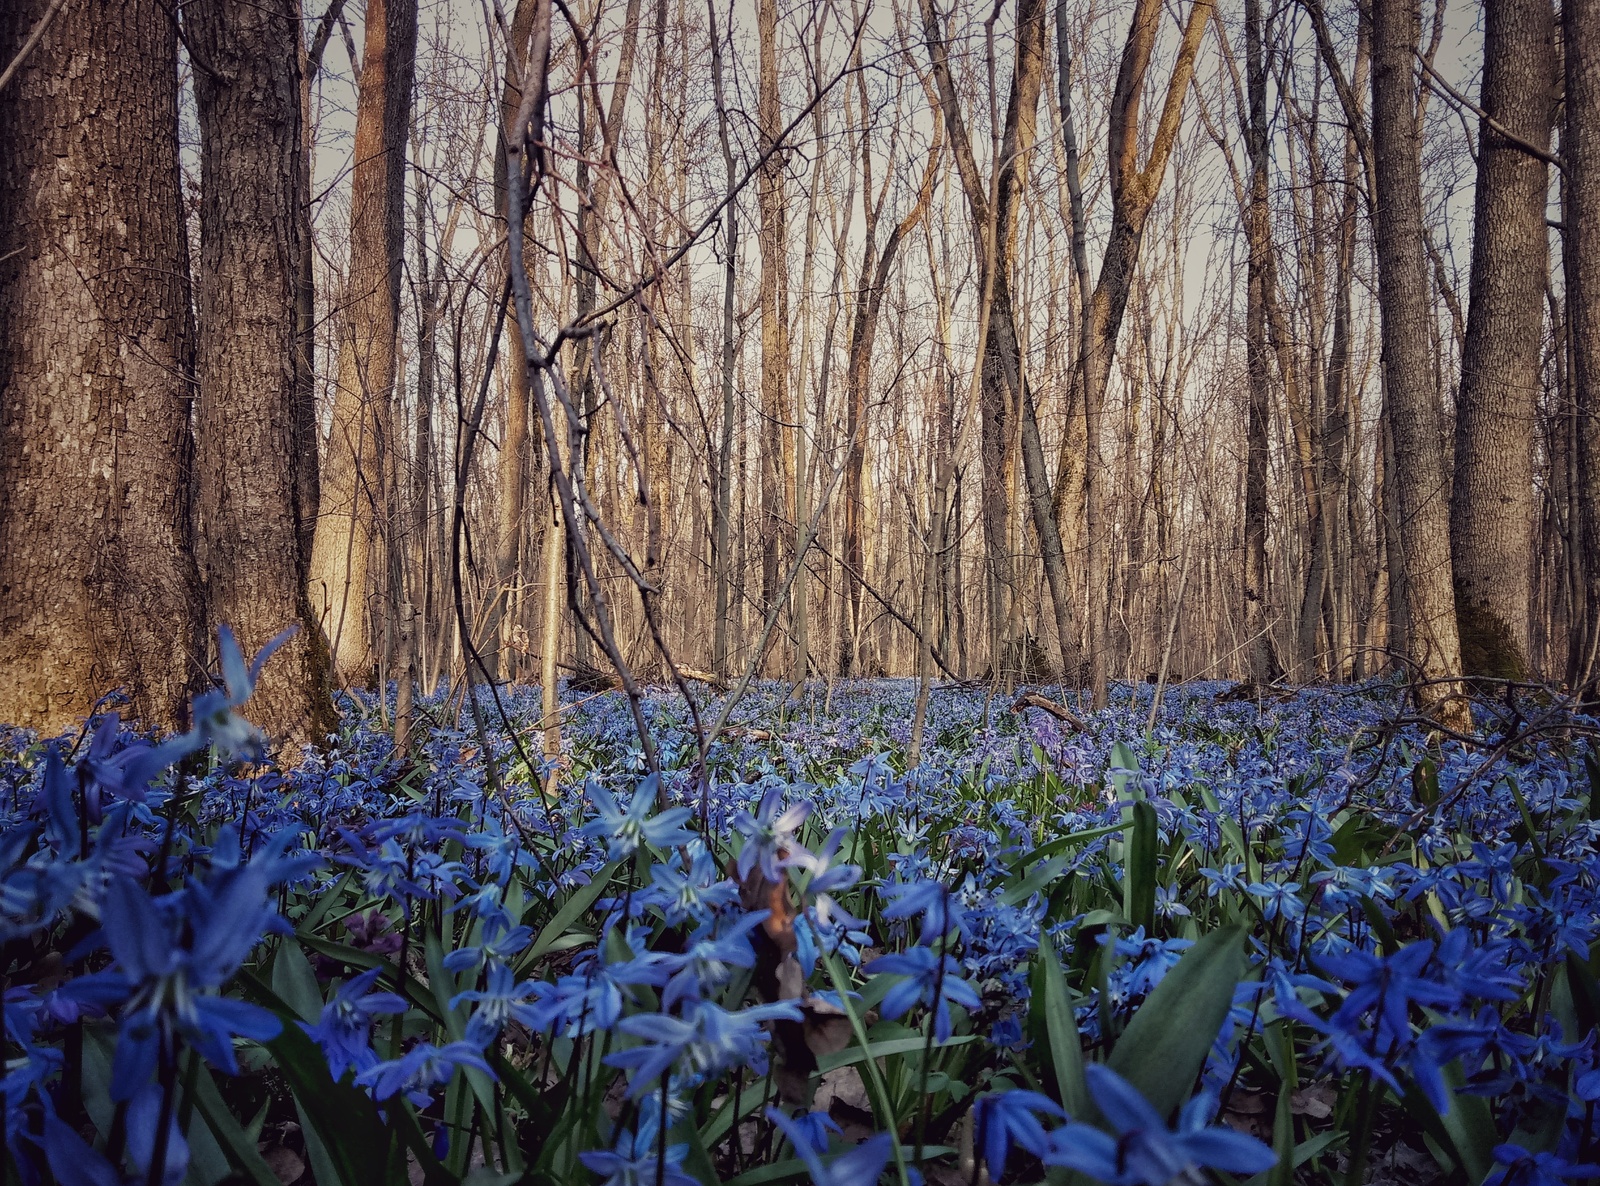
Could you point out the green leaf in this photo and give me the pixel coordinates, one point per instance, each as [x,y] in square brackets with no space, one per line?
[571,910]
[1139,868]
[1051,1017]
[1024,886]
[883,1048]
[295,982]
[239,1146]
[1165,1045]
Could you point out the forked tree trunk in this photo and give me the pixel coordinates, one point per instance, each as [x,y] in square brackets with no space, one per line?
[1492,505]
[1421,511]
[97,582]
[249,514]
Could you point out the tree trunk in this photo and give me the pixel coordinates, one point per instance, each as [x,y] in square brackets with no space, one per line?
[1133,192]
[1492,506]
[1580,27]
[1262,661]
[777,431]
[97,583]
[1421,512]
[248,514]
[347,569]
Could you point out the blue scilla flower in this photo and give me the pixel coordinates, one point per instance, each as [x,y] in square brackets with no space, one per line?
[501,999]
[861,1166]
[1149,960]
[1004,1119]
[625,831]
[712,955]
[1516,1166]
[420,1070]
[1386,987]
[810,1131]
[1144,1151]
[940,911]
[769,834]
[592,998]
[500,944]
[172,954]
[637,1160]
[928,979]
[1278,899]
[826,877]
[344,1029]
[215,722]
[706,1041]
[694,893]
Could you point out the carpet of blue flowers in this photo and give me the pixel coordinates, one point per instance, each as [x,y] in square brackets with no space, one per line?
[1292,941]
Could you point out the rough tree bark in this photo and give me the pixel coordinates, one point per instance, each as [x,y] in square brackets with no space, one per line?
[248,515]
[1580,27]
[347,569]
[1422,512]
[97,582]
[1492,505]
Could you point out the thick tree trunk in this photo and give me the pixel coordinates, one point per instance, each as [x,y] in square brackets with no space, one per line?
[1492,507]
[97,583]
[249,514]
[1580,26]
[1422,512]
[347,568]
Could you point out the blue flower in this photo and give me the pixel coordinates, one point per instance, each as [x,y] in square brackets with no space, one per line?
[811,1131]
[625,831]
[930,979]
[636,1160]
[1145,1152]
[693,894]
[501,999]
[344,1029]
[861,1166]
[1012,1117]
[941,912]
[1387,986]
[705,1042]
[420,1070]
[1515,1166]
[215,722]
[769,834]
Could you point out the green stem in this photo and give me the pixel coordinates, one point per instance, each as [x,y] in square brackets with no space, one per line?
[875,1083]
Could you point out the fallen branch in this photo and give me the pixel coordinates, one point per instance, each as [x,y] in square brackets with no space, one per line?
[1029,700]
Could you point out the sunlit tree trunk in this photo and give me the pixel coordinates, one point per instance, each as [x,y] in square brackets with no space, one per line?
[348,571]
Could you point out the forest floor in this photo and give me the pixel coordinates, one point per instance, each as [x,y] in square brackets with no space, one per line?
[1294,939]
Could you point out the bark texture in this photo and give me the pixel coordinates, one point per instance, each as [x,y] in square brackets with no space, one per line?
[97,585]
[1581,264]
[347,569]
[1420,484]
[1492,506]
[249,514]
